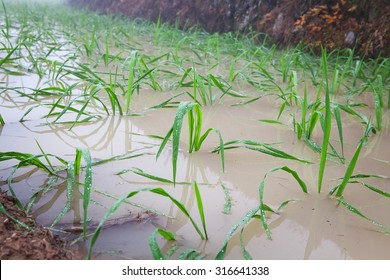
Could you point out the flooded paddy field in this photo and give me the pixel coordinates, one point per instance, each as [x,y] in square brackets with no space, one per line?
[138,141]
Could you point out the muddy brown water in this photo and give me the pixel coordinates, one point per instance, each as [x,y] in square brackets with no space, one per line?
[314,226]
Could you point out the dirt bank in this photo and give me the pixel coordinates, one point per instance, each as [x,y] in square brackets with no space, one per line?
[333,24]
[18,243]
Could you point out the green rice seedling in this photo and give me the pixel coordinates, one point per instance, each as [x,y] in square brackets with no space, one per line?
[259,147]
[232,73]
[90,96]
[25,160]
[35,62]
[380,67]
[241,224]
[2,122]
[327,122]
[73,169]
[195,133]
[301,127]
[131,154]
[71,184]
[285,65]
[245,254]
[352,164]
[264,57]
[153,245]
[80,152]
[354,210]
[258,212]
[338,80]
[293,87]
[157,29]
[142,173]
[87,74]
[133,84]
[15,220]
[153,83]
[6,31]
[228,202]
[106,54]
[7,58]
[377,90]
[112,210]
[51,183]
[200,209]
[270,81]
[357,72]
[337,116]
[272,122]
[203,86]
[348,109]
[90,43]
[190,254]
[263,207]
[199,86]
[187,254]
[368,186]
[168,103]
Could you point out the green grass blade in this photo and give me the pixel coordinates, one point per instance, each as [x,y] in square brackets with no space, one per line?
[262,210]
[142,173]
[156,251]
[200,209]
[292,173]
[221,148]
[130,81]
[244,252]
[45,156]
[164,143]
[20,223]
[71,183]
[182,208]
[337,116]
[357,212]
[378,191]
[271,122]
[259,147]
[242,223]
[125,156]
[264,207]
[227,209]
[327,123]
[351,166]
[167,103]
[26,159]
[183,108]
[87,182]
[190,254]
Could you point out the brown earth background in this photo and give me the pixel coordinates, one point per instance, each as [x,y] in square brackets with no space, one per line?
[336,24]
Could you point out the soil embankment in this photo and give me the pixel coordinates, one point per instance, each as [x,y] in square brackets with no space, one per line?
[336,24]
[18,243]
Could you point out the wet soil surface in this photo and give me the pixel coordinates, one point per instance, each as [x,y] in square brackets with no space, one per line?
[18,243]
